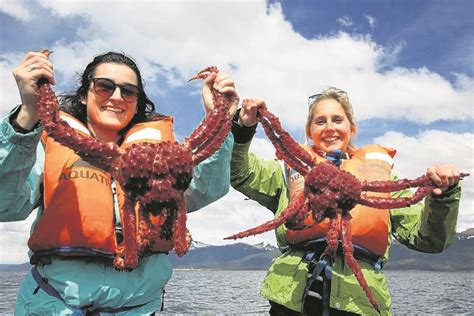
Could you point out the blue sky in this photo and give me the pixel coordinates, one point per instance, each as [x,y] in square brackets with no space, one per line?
[407,66]
[438,35]
[435,34]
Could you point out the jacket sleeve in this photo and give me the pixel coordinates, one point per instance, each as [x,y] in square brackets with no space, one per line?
[211,178]
[259,179]
[21,168]
[429,226]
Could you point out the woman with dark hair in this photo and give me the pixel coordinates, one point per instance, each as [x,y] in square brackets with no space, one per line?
[73,271]
[71,103]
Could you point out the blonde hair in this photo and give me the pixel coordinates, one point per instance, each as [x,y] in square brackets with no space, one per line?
[343,99]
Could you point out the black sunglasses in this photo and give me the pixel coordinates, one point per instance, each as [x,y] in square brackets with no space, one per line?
[105,88]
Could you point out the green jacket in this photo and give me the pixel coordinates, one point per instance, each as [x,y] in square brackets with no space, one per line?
[428,227]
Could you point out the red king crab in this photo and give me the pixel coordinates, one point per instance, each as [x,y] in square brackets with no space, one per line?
[154,175]
[330,193]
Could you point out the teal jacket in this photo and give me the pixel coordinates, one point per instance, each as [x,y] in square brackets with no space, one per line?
[428,227]
[83,281]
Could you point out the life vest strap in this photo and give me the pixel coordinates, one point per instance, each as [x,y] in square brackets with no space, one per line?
[318,245]
[316,294]
[44,256]
[317,290]
[43,284]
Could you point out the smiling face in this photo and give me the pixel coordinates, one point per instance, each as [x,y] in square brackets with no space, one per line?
[330,128]
[106,116]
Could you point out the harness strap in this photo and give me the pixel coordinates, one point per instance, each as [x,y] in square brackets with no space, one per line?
[318,286]
[91,309]
[335,157]
[360,253]
[316,294]
[43,284]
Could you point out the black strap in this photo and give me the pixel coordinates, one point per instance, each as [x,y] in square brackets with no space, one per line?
[43,284]
[317,291]
[316,295]
[360,253]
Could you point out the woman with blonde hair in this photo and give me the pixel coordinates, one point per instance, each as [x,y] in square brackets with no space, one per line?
[300,281]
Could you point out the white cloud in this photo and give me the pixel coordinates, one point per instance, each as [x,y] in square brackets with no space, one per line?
[371,20]
[234,213]
[269,60]
[13,240]
[416,154]
[15,9]
[9,95]
[345,21]
[230,215]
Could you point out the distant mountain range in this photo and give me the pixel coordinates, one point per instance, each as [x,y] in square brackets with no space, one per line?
[458,256]
[240,256]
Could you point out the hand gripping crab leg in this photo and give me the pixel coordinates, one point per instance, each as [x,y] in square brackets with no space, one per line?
[212,131]
[424,184]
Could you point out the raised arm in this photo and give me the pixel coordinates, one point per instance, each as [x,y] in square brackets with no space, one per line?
[259,179]
[21,154]
[21,168]
[211,177]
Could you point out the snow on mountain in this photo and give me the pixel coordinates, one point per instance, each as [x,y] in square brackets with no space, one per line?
[264,246]
[197,244]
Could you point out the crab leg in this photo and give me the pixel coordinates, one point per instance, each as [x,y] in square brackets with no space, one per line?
[210,134]
[127,259]
[392,186]
[199,135]
[332,237]
[215,138]
[295,156]
[291,211]
[181,238]
[351,262]
[212,124]
[388,203]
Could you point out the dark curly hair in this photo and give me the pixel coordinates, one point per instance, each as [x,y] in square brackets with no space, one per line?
[71,102]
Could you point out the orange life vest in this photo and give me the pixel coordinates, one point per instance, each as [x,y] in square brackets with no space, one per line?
[369,226]
[78,211]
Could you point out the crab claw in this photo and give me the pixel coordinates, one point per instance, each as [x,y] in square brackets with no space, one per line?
[203,74]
